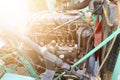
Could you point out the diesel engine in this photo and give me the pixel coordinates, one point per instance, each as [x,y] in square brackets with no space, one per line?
[66,35]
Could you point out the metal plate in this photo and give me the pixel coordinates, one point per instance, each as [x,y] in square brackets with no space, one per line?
[10,76]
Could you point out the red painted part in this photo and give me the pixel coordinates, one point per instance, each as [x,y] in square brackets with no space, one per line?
[97,35]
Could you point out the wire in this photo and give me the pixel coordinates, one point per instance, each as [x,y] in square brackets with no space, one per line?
[60,26]
[106,55]
[70,25]
[97,9]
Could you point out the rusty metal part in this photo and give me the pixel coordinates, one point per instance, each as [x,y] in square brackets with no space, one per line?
[83,33]
[79,32]
[86,33]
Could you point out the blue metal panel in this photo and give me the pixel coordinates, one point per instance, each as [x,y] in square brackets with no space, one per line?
[10,76]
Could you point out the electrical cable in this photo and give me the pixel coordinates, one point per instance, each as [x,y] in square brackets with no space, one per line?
[113,41]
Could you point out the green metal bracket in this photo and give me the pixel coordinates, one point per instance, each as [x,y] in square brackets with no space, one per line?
[23,59]
[116,71]
[27,65]
[93,51]
[12,68]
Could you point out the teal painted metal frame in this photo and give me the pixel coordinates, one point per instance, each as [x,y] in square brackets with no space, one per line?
[116,72]
[28,67]
[114,34]
[11,76]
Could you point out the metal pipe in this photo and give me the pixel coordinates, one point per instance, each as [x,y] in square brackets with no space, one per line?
[91,6]
[93,51]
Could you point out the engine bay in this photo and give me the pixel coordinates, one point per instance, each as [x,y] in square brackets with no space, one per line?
[63,45]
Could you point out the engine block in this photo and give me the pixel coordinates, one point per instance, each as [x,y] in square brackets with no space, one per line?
[64,35]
